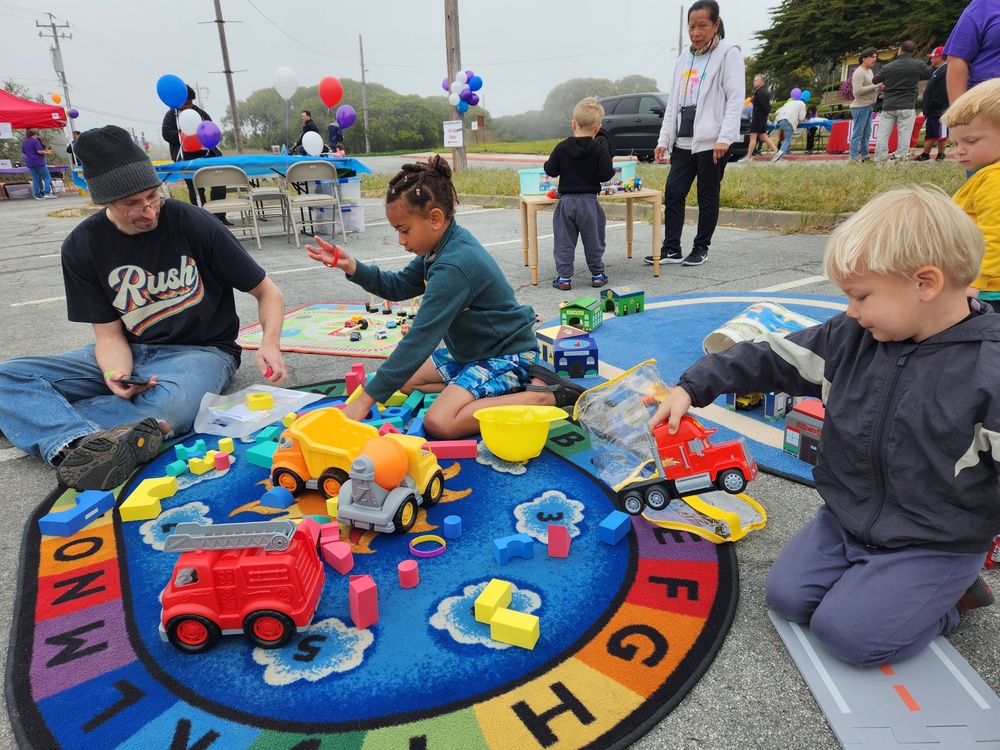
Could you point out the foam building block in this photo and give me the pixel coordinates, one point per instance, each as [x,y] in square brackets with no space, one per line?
[184,452]
[262,454]
[497,595]
[176,468]
[90,505]
[363,600]
[260,401]
[144,502]
[222,461]
[416,427]
[226,445]
[289,419]
[515,628]
[203,464]
[397,412]
[614,527]
[453,448]
[396,399]
[331,506]
[413,401]
[559,540]
[409,573]
[329,532]
[430,398]
[277,497]
[338,555]
[387,428]
[355,378]
[452,527]
[515,545]
[312,527]
[269,433]
[377,421]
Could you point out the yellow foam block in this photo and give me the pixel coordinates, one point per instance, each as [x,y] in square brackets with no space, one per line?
[144,502]
[331,507]
[289,419]
[515,628]
[357,392]
[226,445]
[396,399]
[260,401]
[202,465]
[496,595]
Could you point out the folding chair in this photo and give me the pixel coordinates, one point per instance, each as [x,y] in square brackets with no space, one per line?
[228,177]
[305,172]
[270,194]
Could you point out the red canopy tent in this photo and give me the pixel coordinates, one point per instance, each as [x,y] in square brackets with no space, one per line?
[22,113]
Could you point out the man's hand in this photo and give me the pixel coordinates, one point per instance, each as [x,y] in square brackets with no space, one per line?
[672,408]
[719,151]
[271,364]
[660,154]
[123,390]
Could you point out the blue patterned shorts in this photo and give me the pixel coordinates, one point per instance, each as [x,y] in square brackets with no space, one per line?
[487,377]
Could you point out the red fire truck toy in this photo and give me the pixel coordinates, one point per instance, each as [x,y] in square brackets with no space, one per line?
[687,463]
[261,578]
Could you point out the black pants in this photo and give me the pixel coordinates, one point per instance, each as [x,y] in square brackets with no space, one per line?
[684,168]
[216,193]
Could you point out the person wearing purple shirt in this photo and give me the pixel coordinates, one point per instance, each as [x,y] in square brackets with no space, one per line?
[973,49]
[34,152]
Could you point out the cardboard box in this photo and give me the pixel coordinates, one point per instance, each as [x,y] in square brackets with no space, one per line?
[19,190]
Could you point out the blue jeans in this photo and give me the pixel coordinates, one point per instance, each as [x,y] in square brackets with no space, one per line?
[45,402]
[861,132]
[788,131]
[40,176]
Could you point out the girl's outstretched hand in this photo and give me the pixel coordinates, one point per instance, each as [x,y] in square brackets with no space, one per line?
[329,255]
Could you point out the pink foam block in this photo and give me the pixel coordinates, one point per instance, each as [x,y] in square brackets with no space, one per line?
[329,532]
[364,601]
[388,427]
[338,555]
[221,461]
[453,448]
[312,527]
[559,540]
[409,573]
[355,377]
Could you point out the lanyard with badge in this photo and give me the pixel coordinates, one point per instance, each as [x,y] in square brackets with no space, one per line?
[686,127]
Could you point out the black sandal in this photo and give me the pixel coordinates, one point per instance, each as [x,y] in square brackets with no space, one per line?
[566,393]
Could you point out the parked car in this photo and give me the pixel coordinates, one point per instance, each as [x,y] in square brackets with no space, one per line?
[632,123]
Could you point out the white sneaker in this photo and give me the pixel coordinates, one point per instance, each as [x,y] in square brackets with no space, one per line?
[48,195]
[38,199]
[777,155]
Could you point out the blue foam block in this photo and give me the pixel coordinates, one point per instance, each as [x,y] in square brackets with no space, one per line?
[277,497]
[614,527]
[90,505]
[515,545]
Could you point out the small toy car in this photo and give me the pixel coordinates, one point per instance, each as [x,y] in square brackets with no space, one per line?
[381,333]
[355,335]
[390,324]
[404,329]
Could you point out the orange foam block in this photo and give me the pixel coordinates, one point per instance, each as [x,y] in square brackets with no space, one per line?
[338,555]
[364,601]
[144,502]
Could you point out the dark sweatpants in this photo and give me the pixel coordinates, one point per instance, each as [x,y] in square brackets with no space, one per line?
[578,215]
[684,168]
[868,606]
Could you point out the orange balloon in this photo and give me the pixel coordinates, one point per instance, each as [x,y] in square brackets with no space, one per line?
[56,98]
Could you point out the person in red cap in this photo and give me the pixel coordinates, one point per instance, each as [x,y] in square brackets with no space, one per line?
[933,105]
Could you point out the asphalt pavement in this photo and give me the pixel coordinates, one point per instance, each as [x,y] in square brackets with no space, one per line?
[752,696]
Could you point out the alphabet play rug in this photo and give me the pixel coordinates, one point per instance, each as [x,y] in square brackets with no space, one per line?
[326,329]
[626,629]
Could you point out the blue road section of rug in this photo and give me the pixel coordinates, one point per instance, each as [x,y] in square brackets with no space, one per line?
[671,331]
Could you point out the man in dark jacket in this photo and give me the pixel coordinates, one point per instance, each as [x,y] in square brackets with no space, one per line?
[902,78]
[184,147]
[933,105]
[308,126]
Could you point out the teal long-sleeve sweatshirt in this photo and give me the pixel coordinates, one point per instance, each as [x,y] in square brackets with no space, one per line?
[467,303]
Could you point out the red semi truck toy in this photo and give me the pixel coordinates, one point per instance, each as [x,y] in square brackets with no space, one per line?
[686,463]
[262,579]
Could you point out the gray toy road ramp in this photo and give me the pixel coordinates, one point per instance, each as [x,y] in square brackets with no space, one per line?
[934,700]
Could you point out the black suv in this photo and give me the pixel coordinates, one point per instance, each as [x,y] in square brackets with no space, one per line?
[632,122]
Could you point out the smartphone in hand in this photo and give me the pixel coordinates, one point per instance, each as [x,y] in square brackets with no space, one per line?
[134,380]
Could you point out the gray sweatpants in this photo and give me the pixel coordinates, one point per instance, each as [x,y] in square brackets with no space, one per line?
[578,215]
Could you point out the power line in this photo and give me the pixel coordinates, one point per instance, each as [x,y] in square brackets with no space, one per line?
[301,44]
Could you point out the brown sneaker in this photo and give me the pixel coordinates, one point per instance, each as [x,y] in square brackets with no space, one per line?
[106,459]
[978,595]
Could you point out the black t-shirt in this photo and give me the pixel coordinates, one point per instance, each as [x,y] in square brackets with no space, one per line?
[173,285]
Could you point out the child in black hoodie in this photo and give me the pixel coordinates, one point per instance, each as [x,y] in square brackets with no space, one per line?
[581,165]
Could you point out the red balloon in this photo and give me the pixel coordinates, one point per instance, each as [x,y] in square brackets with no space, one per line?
[330,91]
[191,143]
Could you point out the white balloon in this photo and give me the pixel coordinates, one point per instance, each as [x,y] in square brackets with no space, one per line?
[189,120]
[454,99]
[312,142]
[456,87]
[286,83]
[462,77]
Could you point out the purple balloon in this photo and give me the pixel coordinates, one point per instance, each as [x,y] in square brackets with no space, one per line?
[466,94]
[346,116]
[446,84]
[73,114]
[473,99]
[468,75]
[208,134]
[796,92]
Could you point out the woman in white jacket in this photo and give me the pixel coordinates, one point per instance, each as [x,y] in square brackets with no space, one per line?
[701,122]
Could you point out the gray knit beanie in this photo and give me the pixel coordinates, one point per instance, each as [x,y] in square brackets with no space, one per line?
[113,165]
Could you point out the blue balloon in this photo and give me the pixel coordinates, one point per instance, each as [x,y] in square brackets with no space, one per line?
[475,83]
[172,91]
[806,96]
[462,106]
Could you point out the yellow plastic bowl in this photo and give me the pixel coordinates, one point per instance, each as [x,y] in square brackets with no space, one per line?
[517,433]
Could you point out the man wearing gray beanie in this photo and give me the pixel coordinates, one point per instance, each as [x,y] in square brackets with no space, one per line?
[155,279]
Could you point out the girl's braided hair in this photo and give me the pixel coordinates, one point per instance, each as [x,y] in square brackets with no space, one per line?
[425,186]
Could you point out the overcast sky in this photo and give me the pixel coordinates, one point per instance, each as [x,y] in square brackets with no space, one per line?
[520,48]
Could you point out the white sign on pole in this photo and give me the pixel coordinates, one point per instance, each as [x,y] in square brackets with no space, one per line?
[6,131]
[453,134]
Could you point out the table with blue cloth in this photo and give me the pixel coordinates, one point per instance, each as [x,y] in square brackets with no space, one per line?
[815,127]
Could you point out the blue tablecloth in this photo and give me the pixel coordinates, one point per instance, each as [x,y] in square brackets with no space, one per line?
[816,122]
[256,165]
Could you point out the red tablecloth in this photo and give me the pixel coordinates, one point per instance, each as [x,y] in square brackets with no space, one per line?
[839,141]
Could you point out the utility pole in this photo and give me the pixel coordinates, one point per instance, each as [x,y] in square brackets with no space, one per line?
[237,132]
[364,94]
[454,49]
[201,92]
[680,33]
[57,63]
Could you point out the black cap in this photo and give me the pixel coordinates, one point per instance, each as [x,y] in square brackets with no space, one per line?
[113,165]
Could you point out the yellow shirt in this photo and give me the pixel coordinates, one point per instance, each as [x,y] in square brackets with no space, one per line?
[979,197]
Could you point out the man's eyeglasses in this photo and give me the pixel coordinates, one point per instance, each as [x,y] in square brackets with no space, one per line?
[137,212]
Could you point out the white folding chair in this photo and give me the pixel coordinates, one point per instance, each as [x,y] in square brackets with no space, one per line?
[272,194]
[228,177]
[302,174]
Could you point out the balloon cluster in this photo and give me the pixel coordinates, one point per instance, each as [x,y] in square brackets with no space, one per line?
[801,95]
[196,134]
[462,91]
[331,91]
